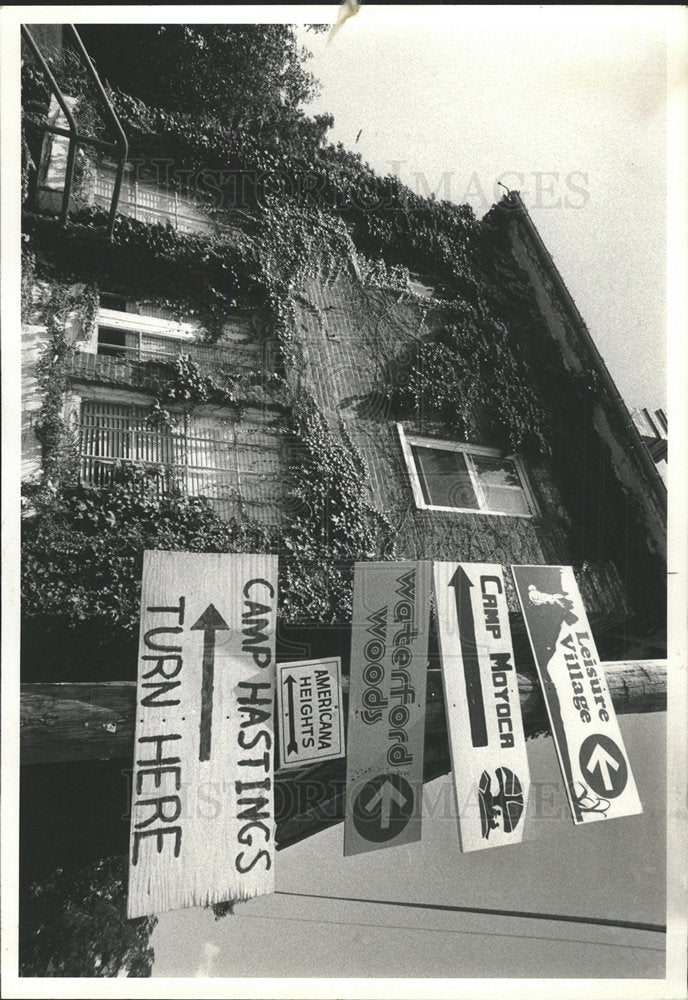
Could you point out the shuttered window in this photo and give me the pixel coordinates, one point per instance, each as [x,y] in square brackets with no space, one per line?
[237,466]
[151,202]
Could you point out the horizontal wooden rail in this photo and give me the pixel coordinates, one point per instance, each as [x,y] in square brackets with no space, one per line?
[92,722]
[70,722]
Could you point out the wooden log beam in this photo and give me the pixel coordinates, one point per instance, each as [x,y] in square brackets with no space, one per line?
[71,722]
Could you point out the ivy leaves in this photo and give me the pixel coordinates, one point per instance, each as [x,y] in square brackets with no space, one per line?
[186,383]
[82,552]
[471,364]
[332,521]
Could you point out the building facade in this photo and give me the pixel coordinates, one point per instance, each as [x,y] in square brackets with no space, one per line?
[144,383]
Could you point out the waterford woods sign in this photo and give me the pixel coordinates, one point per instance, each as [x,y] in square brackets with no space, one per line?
[385,741]
[204,727]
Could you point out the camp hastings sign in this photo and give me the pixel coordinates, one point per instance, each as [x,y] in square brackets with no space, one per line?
[592,756]
[309,708]
[486,738]
[386,723]
[202,818]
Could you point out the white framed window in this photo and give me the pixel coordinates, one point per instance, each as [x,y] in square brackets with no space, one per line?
[131,332]
[452,476]
[143,337]
[149,335]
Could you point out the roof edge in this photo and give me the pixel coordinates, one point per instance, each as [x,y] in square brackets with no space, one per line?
[620,407]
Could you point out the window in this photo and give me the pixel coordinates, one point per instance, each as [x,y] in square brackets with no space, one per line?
[449,476]
[141,337]
[238,467]
[149,199]
[149,336]
[112,343]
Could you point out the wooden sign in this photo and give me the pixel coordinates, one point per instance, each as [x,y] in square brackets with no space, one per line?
[309,708]
[386,726]
[487,742]
[202,819]
[593,760]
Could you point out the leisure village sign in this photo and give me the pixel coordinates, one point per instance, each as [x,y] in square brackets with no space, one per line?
[597,775]
[206,707]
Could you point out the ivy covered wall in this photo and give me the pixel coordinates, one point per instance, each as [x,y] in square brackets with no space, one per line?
[321,263]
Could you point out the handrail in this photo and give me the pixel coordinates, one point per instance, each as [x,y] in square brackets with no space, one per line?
[121,145]
[205,355]
[121,141]
[73,134]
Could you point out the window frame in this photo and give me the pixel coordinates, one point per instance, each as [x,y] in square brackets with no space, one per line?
[243,475]
[408,441]
[175,333]
[155,326]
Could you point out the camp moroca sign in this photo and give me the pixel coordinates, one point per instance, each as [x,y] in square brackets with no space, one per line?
[204,732]
[486,737]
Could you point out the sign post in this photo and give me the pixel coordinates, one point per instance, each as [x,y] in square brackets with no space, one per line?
[593,760]
[202,818]
[309,708]
[486,738]
[386,730]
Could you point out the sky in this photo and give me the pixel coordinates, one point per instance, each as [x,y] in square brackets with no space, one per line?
[567,105]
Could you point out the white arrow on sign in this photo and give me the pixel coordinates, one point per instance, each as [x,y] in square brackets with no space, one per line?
[599,758]
[385,794]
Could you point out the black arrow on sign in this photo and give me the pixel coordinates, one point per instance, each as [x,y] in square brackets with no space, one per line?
[210,622]
[469,654]
[292,745]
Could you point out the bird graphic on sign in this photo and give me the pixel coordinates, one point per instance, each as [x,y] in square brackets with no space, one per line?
[540,598]
[346,10]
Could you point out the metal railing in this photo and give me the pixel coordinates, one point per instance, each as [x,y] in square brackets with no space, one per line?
[120,147]
[207,357]
[153,203]
[196,457]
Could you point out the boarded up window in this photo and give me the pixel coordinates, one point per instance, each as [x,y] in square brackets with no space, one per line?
[238,466]
[152,202]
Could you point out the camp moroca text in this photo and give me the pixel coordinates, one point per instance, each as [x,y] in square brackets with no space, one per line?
[159,758]
[500,662]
